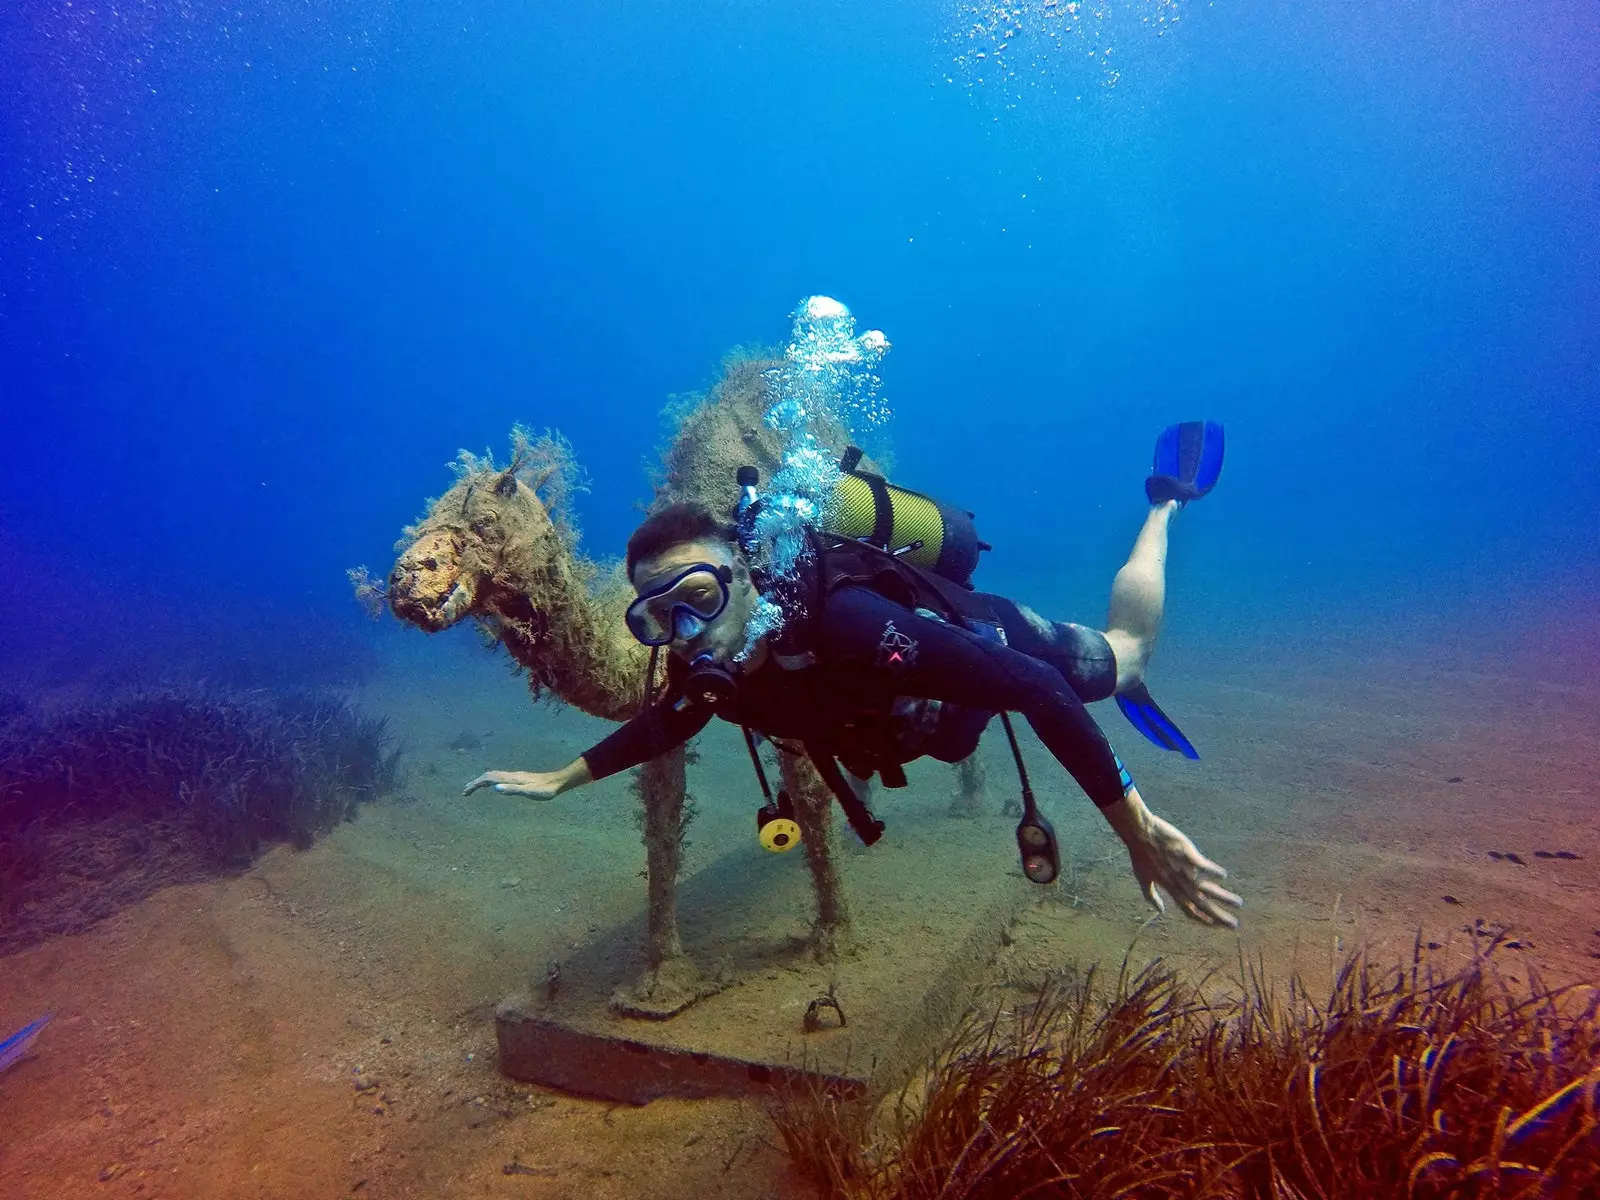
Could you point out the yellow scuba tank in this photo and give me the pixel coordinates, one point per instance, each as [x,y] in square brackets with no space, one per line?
[921,530]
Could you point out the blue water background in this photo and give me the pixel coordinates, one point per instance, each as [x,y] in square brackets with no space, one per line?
[261,275]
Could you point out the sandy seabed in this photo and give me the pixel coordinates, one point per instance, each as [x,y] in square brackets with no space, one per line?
[321,1026]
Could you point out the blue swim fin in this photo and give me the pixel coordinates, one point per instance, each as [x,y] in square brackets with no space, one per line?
[1188,461]
[15,1046]
[1145,715]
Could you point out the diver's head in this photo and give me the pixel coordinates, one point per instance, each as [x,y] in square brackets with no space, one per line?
[695,594]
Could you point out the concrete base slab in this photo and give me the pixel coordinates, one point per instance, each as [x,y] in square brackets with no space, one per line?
[919,943]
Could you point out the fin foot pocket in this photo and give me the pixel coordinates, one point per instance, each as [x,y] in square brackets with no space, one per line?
[1187,463]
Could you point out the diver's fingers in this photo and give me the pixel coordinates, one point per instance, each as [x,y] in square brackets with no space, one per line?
[1205,909]
[1204,901]
[521,789]
[1194,911]
[1222,894]
[1218,914]
[1153,896]
[512,787]
[500,781]
[1202,863]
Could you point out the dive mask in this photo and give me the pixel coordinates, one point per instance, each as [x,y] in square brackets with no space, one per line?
[681,607]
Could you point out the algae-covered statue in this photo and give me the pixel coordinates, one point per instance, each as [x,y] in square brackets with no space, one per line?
[500,548]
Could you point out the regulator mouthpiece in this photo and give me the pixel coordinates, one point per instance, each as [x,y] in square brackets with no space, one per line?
[710,681]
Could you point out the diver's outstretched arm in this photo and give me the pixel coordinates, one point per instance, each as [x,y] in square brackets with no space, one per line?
[648,735]
[860,629]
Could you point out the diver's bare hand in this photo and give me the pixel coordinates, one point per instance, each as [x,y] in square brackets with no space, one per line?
[1164,857]
[538,785]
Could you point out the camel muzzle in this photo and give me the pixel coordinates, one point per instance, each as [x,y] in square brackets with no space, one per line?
[424,607]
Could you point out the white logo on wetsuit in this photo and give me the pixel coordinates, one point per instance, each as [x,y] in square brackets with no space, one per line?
[895,649]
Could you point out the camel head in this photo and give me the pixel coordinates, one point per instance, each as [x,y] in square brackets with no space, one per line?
[433,586]
[451,564]
[501,529]
[498,549]
[495,538]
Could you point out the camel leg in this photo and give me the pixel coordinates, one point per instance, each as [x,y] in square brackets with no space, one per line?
[671,981]
[970,781]
[662,782]
[813,811]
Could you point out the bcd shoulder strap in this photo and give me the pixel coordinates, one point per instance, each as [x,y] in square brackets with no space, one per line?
[845,562]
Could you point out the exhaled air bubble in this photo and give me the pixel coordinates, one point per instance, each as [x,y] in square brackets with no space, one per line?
[828,382]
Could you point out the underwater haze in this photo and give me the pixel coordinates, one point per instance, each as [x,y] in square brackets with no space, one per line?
[284,282]
[265,270]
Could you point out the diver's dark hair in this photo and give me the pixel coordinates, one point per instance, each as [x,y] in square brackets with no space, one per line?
[673,525]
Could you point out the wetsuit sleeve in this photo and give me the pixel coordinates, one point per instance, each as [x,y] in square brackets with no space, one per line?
[916,656]
[669,724]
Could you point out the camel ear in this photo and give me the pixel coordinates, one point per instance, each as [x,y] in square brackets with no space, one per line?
[507,483]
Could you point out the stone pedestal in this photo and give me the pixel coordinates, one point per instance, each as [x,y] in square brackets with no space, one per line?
[931,902]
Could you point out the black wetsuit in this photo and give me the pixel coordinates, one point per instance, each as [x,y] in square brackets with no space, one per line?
[867,652]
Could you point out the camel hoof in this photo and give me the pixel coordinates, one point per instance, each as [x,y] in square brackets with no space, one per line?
[665,991]
[830,943]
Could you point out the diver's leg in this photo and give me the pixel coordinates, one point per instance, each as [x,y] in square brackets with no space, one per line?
[1081,655]
[1139,598]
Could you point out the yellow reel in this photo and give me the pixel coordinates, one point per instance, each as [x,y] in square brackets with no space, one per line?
[779,835]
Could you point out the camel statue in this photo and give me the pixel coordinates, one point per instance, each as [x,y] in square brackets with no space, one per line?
[500,548]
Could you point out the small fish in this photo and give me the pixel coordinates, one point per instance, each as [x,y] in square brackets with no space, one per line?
[15,1046]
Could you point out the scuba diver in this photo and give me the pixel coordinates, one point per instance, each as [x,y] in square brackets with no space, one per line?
[878,661]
